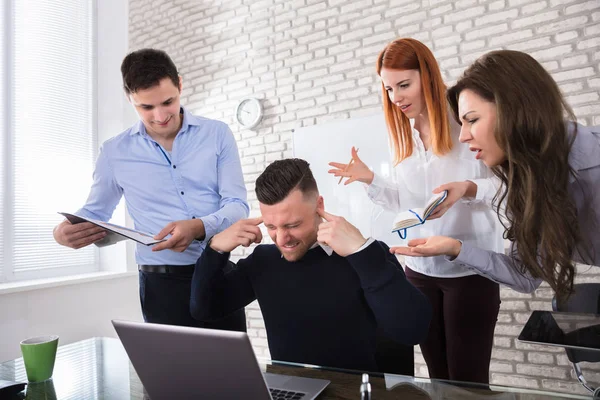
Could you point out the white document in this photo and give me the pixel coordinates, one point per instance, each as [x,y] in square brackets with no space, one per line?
[116,233]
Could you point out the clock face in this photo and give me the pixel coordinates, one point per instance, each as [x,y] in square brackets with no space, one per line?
[248,112]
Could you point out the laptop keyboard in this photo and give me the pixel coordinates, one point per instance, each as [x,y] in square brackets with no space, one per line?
[278,394]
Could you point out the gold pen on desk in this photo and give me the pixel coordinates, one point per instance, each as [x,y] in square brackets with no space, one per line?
[347,167]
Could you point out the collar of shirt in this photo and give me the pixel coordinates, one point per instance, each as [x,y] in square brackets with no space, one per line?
[188,119]
[325,248]
[454,132]
[418,144]
[415,133]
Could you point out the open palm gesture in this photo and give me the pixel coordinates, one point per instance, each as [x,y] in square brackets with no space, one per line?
[428,247]
[356,170]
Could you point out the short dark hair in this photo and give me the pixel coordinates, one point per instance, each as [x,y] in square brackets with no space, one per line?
[145,68]
[281,177]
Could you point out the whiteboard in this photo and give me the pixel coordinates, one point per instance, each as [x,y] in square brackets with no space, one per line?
[333,141]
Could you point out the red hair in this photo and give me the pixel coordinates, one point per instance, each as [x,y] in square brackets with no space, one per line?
[407,54]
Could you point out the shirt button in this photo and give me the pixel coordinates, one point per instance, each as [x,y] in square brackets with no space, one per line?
[174,166]
[193,217]
[182,193]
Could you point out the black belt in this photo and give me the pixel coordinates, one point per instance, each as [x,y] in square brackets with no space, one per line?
[168,269]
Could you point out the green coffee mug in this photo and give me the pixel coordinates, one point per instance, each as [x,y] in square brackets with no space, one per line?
[39,354]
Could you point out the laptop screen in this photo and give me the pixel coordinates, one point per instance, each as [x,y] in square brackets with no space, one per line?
[578,331]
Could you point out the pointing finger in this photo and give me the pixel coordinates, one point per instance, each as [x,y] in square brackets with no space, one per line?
[325,215]
[355,154]
[165,245]
[337,172]
[255,221]
[338,165]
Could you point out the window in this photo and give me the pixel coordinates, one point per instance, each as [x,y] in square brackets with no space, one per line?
[48,146]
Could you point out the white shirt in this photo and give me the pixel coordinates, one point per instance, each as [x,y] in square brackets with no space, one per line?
[471,221]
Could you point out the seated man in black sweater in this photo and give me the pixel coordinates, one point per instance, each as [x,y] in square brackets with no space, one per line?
[323,289]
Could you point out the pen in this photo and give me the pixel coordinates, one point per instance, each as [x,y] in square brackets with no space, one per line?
[347,167]
[365,388]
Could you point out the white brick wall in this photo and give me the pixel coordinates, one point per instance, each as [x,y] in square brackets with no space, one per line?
[313,60]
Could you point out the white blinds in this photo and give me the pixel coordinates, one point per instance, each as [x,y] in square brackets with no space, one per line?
[52,132]
[3,126]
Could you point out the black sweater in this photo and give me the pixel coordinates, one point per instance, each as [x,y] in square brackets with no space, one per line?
[322,310]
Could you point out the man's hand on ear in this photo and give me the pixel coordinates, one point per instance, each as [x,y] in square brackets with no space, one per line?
[339,234]
[242,233]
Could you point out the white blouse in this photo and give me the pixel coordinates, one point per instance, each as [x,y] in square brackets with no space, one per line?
[471,221]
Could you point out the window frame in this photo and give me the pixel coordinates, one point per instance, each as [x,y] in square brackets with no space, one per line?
[8,274]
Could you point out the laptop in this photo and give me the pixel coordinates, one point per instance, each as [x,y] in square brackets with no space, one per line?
[177,362]
[569,330]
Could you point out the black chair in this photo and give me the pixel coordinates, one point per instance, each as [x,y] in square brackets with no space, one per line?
[584,299]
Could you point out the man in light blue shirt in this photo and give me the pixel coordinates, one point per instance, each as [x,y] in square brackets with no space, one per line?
[180,175]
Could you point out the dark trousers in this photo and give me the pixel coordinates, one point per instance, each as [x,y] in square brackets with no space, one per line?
[165,299]
[461,333]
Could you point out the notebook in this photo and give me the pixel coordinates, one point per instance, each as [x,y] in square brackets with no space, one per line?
[417,216]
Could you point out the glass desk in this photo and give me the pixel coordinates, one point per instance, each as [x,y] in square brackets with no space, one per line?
[98,368]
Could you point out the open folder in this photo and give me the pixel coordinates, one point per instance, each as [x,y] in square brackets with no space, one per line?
[116,233]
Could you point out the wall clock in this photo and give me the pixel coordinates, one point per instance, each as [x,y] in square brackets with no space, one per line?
[249,112]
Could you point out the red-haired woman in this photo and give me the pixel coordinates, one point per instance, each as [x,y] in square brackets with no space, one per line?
[428,158]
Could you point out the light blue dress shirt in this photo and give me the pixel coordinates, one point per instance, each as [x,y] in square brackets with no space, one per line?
[200,178]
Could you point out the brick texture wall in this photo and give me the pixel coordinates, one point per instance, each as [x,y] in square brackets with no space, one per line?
[310,61]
